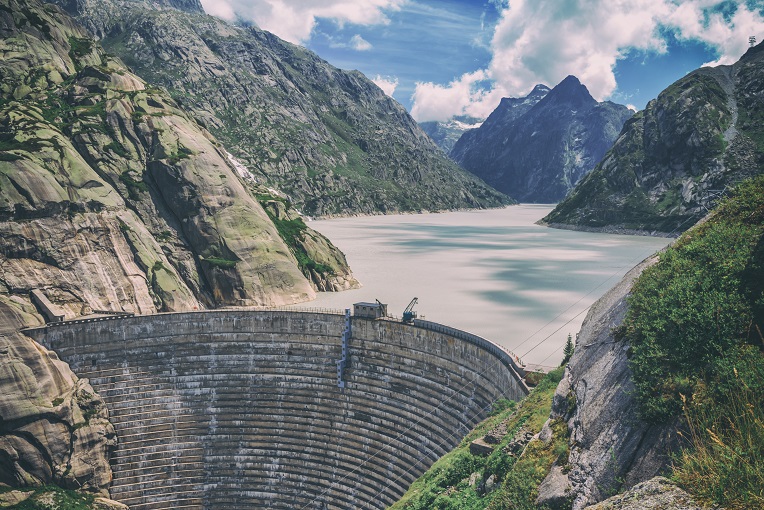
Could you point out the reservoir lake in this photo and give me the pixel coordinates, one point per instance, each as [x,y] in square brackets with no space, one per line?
[493,273]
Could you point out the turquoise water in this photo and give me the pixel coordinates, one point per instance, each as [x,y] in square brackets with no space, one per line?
[493,273]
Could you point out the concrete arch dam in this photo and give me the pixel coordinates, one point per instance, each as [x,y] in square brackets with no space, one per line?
[242,409]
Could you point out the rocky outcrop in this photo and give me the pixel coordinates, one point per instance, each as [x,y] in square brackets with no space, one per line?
[113,198]
[673,160]
[611,449]
[331,140]
[536,148]
[54,428]
[655,494]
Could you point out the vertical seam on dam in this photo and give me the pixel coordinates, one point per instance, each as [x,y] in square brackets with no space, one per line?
[242,409]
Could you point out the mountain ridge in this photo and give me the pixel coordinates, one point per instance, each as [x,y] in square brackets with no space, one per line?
[331,140]
[675,158]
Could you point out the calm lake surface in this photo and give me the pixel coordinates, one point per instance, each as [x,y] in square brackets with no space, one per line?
[492,273]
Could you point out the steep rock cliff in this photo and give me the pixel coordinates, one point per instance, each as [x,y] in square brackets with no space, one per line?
[330,139]
[536,148]
[113,198]
[673,159]
[611,449]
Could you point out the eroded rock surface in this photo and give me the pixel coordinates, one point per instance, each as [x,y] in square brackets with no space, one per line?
[611,449]
[54,428]
[655,494]
[113,198]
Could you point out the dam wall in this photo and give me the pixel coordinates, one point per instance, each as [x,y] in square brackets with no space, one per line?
[241,409]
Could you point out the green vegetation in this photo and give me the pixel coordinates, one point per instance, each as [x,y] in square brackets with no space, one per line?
[700,301]
[695,328]
[117,148]
[292,232]
[220,262]
[183,153]
[723,461]
[567,351]
[50,496]
[164,236]
[446,485]
[79,47]
[134,188]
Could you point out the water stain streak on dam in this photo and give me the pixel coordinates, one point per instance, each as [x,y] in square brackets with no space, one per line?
[241,409]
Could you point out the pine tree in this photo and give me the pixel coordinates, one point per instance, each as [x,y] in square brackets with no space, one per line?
[567,351]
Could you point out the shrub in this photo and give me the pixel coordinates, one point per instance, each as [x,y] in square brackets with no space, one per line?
[698,303]
[220,262]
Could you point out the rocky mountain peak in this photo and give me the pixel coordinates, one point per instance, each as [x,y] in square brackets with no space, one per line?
[537,147]
[572,92]
[539,90]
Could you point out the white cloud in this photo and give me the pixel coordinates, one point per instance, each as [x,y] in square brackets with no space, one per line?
[220,9]
[293,20]
[632,107]
[543,41]
[358,43]
[464,95]
[388,84]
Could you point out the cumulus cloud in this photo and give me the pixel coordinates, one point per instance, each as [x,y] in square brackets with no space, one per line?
[387,84]
[543,41]
[358,43]
[465,95]
[293,20]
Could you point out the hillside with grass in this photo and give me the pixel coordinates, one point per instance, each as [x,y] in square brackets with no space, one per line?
[331,140]
[509,476]
[696,330]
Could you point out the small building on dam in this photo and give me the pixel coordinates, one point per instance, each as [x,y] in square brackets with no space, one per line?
[246,409]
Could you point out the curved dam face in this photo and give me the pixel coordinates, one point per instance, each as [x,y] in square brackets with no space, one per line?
[242,409]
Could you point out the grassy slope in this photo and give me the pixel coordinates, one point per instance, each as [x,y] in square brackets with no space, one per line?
[446,485]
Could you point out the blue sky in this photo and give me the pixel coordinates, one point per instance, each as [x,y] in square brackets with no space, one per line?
[448,57]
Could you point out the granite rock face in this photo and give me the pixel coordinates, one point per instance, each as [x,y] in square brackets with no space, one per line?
[113,198]
[611,449]
[673,160]
[54,428]
[331,140]
[655,494]
[536,148]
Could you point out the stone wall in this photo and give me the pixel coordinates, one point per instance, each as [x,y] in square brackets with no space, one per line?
[241,409]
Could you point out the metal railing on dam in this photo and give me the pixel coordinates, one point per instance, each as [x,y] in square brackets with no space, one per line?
[241,409]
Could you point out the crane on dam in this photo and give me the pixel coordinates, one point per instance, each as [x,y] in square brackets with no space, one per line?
[409,314]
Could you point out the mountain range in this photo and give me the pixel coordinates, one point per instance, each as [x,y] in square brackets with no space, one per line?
[536,148]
